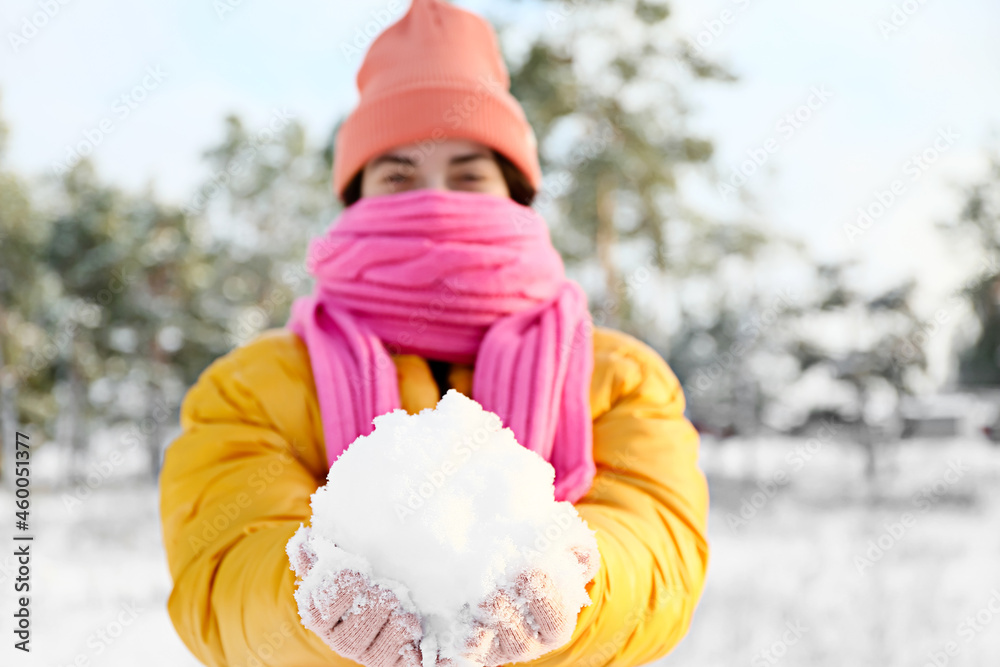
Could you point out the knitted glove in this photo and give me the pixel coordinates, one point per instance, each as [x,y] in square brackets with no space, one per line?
[357,619]
[507,634]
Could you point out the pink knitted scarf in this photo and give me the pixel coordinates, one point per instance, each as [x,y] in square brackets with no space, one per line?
[461,277]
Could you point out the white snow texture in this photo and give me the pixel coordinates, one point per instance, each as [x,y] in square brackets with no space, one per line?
[443,508]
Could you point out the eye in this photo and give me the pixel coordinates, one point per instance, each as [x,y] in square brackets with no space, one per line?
[470,177]
[395,177]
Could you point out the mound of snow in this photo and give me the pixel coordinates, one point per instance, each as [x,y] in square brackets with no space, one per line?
[444,507]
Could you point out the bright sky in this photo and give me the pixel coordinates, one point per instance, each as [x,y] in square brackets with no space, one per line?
[886,97]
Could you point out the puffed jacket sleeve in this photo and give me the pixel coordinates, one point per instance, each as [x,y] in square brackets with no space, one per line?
[234,487]
[648,507]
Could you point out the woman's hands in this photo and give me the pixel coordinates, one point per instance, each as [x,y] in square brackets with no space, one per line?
[354,617]
[510,635]
[366,623]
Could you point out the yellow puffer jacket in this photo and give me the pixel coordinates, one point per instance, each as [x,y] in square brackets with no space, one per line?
[236,484]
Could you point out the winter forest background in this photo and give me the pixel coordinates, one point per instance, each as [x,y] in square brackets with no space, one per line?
[834,395]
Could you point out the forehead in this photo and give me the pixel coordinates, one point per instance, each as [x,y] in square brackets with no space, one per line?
[430,151]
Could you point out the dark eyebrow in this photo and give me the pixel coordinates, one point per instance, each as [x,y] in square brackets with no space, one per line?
[396,159]
[469,157]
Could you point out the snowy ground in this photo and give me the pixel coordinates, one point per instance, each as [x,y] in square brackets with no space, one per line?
[789,585]
[785,586]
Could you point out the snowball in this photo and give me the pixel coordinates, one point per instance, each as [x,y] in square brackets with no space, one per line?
[443,508]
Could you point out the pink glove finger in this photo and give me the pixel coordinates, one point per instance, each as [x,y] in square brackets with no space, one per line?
[478,645]
[409,657]
[401,628]
[514,637]
[589,559]
[545,606]
[328,604]
[300,555]
[304,560]
[357,631]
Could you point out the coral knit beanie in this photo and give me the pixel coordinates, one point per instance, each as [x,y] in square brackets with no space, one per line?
[436,73]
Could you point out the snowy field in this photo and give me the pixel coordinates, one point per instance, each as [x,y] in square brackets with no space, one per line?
[801,582]
[819,570]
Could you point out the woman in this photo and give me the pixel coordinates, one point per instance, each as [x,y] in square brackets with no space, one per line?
[437,275]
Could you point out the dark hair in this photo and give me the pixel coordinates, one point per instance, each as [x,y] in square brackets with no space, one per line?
[520,188]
